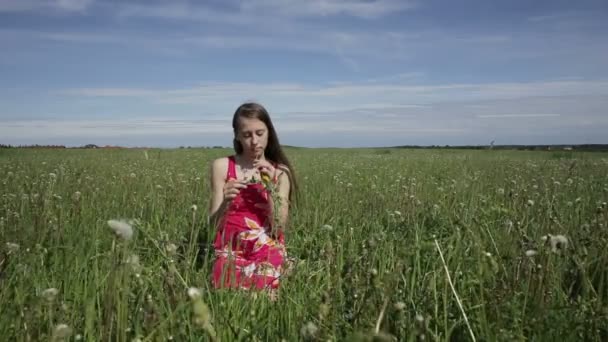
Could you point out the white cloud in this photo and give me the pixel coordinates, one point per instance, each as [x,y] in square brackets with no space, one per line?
[42,5]
[356,8]
[523,115]
[357,94]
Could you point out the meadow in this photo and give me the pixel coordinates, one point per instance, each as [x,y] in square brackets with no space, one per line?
[389,244]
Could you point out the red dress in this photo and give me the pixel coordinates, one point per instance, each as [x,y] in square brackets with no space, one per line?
[246,255]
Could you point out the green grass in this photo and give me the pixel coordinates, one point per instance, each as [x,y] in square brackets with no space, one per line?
[365,232]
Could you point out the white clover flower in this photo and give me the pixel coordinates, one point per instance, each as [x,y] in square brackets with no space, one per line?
[194,293]
[121,228]
[530,253]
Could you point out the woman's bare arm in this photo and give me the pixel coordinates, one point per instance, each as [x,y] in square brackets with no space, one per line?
[217,205]
[283,187]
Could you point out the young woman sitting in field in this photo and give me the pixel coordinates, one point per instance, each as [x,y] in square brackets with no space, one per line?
[251,194]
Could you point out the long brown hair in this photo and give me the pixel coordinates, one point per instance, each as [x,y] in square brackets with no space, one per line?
[273,151]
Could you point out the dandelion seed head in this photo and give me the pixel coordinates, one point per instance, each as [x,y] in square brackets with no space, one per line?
[194,207]
[309,331]
[399,306]
[12,247]
[327,227]
[194,293]
[530,253]
[171,248]
[50,294]
[62,331]
[121,228]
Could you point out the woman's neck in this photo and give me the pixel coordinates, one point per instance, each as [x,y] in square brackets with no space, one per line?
[246,160]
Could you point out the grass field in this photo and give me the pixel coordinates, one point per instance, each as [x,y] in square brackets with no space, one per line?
[375,234]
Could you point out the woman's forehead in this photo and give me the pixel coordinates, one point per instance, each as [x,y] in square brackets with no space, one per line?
[251,124]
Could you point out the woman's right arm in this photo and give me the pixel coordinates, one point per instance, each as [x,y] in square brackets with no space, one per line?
[222,192]
[217,205]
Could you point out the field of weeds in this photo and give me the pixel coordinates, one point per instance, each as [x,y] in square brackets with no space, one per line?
[389,245]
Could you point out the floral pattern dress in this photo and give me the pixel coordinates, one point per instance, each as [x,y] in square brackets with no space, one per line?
[246,256]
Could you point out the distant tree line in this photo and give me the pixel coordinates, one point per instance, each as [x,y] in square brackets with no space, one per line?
[581,147]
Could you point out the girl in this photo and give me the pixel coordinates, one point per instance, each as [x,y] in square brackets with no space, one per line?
[251,194]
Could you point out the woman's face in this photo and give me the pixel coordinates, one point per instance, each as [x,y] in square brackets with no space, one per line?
[253,136]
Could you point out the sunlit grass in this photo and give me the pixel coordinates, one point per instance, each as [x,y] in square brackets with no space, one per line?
[523,237]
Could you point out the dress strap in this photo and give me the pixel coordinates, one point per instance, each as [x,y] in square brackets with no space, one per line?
[231,168]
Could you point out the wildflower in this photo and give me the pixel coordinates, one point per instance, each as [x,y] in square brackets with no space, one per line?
[194,207]
[76,196]
[194,293]
[399,306]
[309,331]
[121,228]
[50,294]
[61,332]
[530,202]
[12,247]
[133,262]
[557,242]
[171,248]
[530,253]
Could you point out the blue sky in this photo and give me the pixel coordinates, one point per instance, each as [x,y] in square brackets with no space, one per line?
[330,72]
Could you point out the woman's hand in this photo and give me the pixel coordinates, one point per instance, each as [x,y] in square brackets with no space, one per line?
[232,189]
[265,168]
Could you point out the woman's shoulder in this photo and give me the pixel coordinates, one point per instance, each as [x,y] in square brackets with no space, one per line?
[219,166]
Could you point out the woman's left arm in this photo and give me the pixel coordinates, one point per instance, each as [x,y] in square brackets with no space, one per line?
[283,186]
